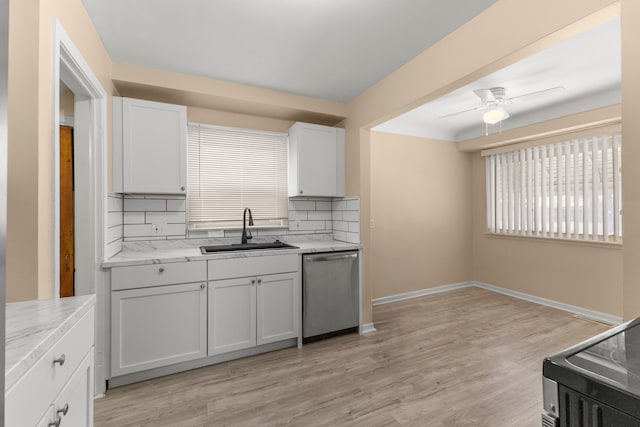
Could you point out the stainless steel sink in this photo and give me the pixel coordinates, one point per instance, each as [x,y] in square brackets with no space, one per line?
[245,247]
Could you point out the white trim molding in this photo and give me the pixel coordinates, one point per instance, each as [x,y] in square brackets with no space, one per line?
[421,293]
[90,127]
[591,314]
[366,328]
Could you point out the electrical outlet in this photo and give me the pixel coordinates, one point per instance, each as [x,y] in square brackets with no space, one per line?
[294,225]
[215,233]
[372,223]
[157,229]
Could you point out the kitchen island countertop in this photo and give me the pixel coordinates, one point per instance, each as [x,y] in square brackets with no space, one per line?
[33,327]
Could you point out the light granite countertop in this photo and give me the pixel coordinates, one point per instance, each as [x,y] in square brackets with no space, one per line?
[33,327]
[166,251]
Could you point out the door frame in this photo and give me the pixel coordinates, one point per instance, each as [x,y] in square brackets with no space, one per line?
[90,133]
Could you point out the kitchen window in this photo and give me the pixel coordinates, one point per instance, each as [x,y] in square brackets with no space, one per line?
[566,190]
[230,169]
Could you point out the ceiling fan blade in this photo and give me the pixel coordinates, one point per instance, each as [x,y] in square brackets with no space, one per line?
[482,107]
[538,92]
[485,95]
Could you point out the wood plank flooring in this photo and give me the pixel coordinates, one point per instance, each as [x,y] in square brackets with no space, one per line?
[468,357]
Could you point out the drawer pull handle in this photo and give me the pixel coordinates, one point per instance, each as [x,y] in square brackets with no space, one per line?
[161,270]
[59,360]
[64,410]
[56,423]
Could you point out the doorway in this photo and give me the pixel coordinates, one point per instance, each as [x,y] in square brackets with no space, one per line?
[67,217]
[89,183]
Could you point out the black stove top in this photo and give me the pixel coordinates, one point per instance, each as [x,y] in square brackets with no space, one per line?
[605,367]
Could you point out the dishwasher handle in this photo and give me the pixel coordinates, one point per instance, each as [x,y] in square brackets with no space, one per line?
[330,257]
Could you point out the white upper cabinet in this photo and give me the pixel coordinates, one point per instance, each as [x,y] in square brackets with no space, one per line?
[149,147]
[316,160]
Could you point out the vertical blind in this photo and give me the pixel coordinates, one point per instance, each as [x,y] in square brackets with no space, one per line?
[569,190]
[230,169]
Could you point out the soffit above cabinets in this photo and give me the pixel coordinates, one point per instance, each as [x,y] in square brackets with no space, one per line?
[587,65]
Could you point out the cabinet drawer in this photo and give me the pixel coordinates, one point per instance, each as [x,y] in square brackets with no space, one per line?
[39,387]
[254,266]
[142,276]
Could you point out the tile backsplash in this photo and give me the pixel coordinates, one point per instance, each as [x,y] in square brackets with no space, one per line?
[114,224]
[154,217]
[161,217]
[346,219]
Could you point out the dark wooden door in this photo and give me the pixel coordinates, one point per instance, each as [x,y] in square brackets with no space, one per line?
[66,212]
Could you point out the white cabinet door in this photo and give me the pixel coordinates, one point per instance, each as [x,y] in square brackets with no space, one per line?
[316,160]
[157,326]
[278,307]
[48,418]
[232,315]
[154,144]
[74,404]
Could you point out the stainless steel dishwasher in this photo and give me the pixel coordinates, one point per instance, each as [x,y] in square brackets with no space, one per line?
[330,294]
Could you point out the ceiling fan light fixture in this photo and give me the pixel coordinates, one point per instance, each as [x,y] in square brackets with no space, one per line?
[494,115]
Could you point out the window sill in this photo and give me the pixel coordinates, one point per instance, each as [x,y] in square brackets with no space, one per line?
[542,239]
[239,228]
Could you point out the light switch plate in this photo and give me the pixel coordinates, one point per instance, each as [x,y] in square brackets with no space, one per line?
[372,223]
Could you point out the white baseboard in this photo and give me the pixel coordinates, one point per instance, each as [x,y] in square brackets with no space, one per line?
[421,293]
[366,328]
[592,314]
[596,315]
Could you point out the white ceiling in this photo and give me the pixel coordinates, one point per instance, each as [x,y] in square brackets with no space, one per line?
[587,65]
[328,49]
[335,50]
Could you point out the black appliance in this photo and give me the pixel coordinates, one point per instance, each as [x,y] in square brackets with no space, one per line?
[595,383]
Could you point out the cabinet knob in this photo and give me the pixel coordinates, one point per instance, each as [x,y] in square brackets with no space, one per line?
[253,281]
[182,188]
[59,360]
[161,270]
[259,281]
[301,191]
[201,285]
[63,410]
[56,423]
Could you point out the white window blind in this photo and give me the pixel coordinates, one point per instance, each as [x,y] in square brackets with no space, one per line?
[568,190]
[230,169]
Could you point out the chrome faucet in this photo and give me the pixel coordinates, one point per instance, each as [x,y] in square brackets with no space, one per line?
[246,234]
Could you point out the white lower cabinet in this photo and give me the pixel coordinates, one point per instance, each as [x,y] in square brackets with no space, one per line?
[232,319]
[278,302]
[74,405]
[227,305]
[58,389]
[245,311]
[157,326]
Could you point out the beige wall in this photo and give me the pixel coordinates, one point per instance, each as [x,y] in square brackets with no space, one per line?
[587,275]
[438,70]
[421,203]
[631,155]
[67,106]
[29,236]
[581,274]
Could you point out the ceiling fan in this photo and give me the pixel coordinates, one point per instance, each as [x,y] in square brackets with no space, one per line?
[493,100]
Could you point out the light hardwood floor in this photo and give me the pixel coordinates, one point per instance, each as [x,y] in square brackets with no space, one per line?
[468,357]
